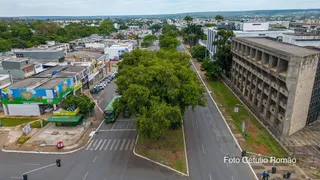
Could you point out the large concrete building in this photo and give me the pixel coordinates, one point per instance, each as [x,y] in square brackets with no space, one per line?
[278,81]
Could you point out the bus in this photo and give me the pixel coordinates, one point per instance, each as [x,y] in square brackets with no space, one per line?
[109,112]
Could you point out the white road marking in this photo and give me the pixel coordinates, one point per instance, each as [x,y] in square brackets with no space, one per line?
[104,141]
[31,164]
[94,159]
[132,144]
[107,144]
[210,177]
[128,124]
[98,144]
[89,145]
[203,149]
[232,178]
[93,145]
[114,124]
[221,150]
[123,142]
[113,130]
[118,143]
[114,141]
[227,165]
[85,176]
[210,121]
[128,143]
[197,124]
[217,139]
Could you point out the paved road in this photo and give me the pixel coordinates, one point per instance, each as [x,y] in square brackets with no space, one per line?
[208,141]
[109,156]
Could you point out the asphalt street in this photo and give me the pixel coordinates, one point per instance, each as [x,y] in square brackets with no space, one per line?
[108,156]
[208,142]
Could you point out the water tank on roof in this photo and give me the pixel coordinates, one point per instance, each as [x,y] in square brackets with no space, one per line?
[54,72]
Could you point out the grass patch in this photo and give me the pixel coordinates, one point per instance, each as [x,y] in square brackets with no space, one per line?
[14,121]
[23,139]
[259,140]
[37,124]
[168,151]
[317,176]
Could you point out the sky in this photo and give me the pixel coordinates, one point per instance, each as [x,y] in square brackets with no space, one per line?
[141,7]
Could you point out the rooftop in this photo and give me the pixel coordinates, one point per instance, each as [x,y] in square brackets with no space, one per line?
[16,59]
[48,72]
[35,50]
[278,46]
[52,82]
[29,82]
[85,54]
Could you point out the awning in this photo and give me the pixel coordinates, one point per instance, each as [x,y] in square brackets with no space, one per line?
[65,119]
[91,76]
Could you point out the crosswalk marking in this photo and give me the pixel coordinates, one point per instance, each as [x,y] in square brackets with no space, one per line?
[107,144]
[93,145]
[89,145]
[118,142]
[128,144]
[123,142]
[132,144]
[98,144]
[111,144]
[104,141]
[114,141]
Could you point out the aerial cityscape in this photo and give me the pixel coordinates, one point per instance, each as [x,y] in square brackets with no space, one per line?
[160,90]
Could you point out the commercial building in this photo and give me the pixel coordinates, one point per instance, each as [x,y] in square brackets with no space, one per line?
[18,68]
[279,82]
[114,52]
[35,96]
[41,54]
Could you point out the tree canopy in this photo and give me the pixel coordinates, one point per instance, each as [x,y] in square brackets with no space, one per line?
[219,18]
[155,28]
[211,67]
[148,40]
[156,88]
[223,54]
[199,52]
[82,101]
[191,34]
[188,19]
[168,40]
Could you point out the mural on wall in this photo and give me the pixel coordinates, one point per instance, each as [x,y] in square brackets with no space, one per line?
[37,95]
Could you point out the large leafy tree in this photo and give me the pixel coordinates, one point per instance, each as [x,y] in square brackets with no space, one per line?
[199,52]
[188,19]
[211,67]
[4,45]
[168,43]
[106,27]
[191,34]
[223,54]
[82,101]
[219,18]
[156,88]
[155,28]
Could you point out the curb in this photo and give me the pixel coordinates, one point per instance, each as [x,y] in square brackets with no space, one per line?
[185,148]
[235,140]
[143,157]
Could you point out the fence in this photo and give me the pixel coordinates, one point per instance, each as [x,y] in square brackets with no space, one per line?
[305,158]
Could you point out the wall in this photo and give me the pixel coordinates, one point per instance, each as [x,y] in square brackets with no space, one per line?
[42,54]
[302,40]
[303,92]
[37,95]
[255,26]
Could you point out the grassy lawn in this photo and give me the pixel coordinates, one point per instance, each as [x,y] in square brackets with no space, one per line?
[37,124]
[14,121]
[258,139]
[169,151]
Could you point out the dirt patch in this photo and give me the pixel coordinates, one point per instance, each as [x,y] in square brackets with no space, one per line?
[260,149]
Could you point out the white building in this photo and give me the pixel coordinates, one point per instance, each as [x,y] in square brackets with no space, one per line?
[301,39]
[260,26]
[5,80]
[95,45]
[277,34]
[133,28]
[116,25]
[115,51]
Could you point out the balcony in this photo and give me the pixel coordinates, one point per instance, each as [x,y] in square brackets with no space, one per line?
[254,82]
[249,78]
[265,102]
[284,91]
[266,91]
[281,116]
[274,85]
[259,97]
[245,74]
[283,104]
[248,87]
[267,80]
[260,86]
[272,110]
[274,97]
[253,92]
[260,76]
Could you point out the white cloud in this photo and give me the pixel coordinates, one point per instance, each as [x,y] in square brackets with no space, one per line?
[137,7]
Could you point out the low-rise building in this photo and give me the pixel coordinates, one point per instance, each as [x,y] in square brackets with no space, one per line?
[18,68]
[40,54]
[115,51]
[279,82]
[302,39]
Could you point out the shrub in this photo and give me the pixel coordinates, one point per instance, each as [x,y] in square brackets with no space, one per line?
[23,139]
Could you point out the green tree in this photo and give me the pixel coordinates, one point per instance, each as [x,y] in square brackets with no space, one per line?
[155,28]
[188,19]
[199,52]
[106,27]
[157,87]
[46,28]
[191,34]
[211,67]
[168,43]
[219,18]
[18,43]
[3,26]
[4,45]
[82,101]
[223,54]
[210,25]
[25,34]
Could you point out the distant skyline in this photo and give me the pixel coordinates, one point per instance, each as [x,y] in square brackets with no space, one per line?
[141,7]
